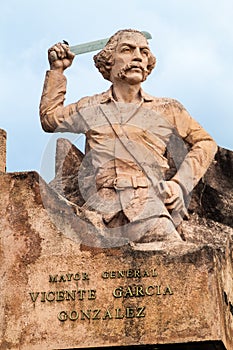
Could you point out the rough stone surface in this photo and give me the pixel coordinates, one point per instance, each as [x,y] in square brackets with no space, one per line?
[2,150]
[68,161]
[210,207]
[213,197]
[41,236]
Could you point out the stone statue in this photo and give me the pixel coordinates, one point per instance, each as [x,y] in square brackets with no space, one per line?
[145,153]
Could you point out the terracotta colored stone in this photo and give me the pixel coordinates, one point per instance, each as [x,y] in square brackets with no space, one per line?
[2,150]
[72,277]
[68,161]
[41,237]
[130,138]
[211,202]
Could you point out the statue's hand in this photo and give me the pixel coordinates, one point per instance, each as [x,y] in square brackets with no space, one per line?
[175,199]
[60,57]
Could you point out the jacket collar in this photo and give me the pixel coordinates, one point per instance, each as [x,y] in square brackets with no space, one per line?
[107,96]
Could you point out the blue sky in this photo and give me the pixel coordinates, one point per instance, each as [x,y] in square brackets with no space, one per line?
[192,40]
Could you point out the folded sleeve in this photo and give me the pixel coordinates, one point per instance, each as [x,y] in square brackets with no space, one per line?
[54,116]
[202,149]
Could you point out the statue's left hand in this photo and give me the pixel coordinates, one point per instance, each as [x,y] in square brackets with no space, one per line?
[175,199]
[60,57]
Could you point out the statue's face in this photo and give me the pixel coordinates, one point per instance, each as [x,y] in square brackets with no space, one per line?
[130,59]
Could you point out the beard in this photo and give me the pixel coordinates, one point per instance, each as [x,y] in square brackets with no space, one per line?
[129,66]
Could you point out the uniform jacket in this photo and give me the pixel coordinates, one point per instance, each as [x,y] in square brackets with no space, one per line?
[157,130]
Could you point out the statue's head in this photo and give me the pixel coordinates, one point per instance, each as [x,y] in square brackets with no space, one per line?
[104,60]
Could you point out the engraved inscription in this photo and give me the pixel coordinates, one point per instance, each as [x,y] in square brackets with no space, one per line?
[68,277]
[63,295]
[93,312]
[130,273]
[141,291]
[99,314]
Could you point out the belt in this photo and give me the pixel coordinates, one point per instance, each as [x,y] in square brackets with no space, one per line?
[122,182]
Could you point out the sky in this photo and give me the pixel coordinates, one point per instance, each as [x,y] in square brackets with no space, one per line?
[191,39]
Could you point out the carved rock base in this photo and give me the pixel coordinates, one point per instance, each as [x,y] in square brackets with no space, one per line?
[57,293]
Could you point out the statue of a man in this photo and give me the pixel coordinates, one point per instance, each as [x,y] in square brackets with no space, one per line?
[129,136]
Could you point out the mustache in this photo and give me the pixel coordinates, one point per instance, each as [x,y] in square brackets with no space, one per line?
[130,66]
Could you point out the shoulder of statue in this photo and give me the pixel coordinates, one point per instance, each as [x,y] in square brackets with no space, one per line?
[90,101]
[162,101]
[169,103]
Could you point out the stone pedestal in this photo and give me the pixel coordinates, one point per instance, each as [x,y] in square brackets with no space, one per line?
[57,293]
[2,150]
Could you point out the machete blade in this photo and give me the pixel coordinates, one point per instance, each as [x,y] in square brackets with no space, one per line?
[96,45]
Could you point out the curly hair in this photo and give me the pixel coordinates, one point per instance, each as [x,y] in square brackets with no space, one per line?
[104,59]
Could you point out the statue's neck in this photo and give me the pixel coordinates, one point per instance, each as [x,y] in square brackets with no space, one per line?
[127,93]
